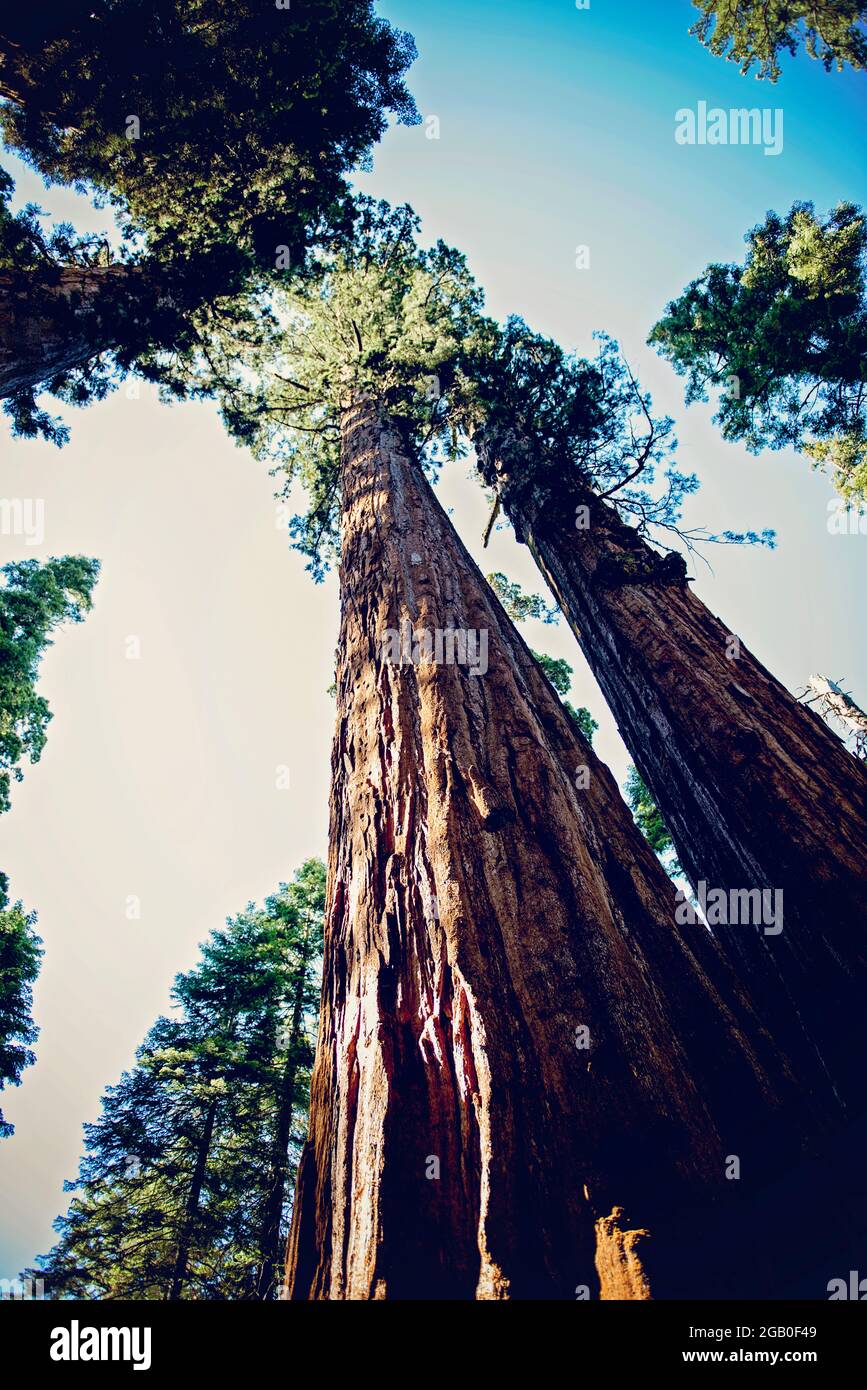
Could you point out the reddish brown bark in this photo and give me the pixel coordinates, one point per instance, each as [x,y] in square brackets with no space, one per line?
[481,907]
[755,789]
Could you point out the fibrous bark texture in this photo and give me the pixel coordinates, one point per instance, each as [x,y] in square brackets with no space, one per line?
[516,1040]
[756,791]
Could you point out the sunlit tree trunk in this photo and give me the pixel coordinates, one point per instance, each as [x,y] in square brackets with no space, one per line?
[756,791]
[523,1064]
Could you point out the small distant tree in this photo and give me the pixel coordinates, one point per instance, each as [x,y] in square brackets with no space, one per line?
[560,673]
[648,818]
[184,1189]
[519,605]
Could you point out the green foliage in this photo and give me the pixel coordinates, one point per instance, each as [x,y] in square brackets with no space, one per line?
[583,719]
[559,673]
[648,818]
[206,1090]
[522,397]
[786,335]
[26,248]
[755,32]
[385,319]
[249,117]
[34,598]
[521,389]
[519,605]
[20,952]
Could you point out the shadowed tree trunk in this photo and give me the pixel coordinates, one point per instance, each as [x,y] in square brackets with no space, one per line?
[203,1149]
[269,1240]
[59,319]
[489,898]
[756,791]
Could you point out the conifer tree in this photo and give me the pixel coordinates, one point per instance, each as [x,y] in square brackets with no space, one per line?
[35,598]
[20,952]
[184,1188]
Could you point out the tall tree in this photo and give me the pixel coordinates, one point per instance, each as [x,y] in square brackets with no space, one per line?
[221,135]
[756,791]
[183,1190]
[507,1014]
[784,340]
[34,599]
[755,32]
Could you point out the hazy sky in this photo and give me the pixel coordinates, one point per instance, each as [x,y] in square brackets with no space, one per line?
[159,780]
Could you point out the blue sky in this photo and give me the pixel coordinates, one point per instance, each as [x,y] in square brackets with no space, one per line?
[556,129]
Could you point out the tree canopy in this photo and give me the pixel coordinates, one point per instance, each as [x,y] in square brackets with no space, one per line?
[755,32]
[221,136]
[580,418]
[784,337]
[386,318]
[205,125]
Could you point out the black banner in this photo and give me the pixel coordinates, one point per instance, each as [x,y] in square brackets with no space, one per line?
[66,1339]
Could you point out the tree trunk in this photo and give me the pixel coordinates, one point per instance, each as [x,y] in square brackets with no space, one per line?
[53,321]
[756,791]
[467,1138]
[269,1240]
[192,1208]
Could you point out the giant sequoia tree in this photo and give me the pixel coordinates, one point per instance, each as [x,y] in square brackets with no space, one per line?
[783,339]
[34,599]
[183,1190]
[221,134]
[757,793]
[509,1014]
